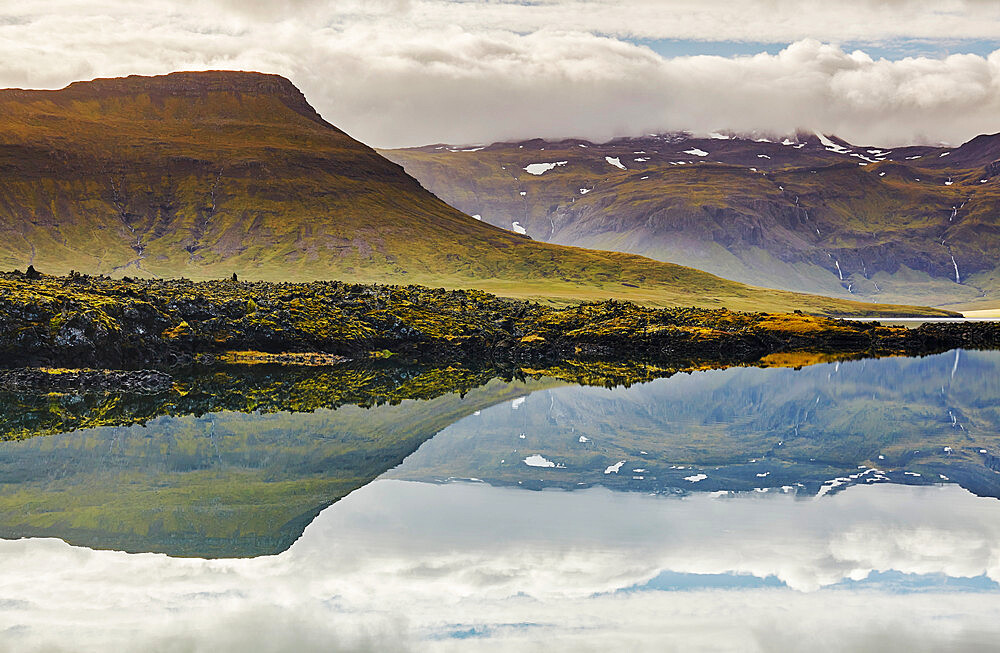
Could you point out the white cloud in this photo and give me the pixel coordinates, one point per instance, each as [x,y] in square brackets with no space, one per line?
[398,73]
[717,20]
[380,571]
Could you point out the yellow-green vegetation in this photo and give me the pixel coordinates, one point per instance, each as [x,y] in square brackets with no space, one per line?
[206,174]
[99,321]
[800,325]
[611,374]
[312,359]
[255,388]
[799,359]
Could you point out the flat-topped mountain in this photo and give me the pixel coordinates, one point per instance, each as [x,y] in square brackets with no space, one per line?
[205,174]
[196,88]
[806,212]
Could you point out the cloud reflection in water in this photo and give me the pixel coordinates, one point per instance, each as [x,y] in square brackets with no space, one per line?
[449,567]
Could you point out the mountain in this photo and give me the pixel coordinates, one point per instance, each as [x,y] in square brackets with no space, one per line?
[205,174]
[808,213]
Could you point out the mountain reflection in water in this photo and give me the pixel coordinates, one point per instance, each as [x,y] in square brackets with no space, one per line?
[235,484]
[804,431]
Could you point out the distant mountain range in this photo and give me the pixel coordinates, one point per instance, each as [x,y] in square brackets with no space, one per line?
[808,212]
[206,174]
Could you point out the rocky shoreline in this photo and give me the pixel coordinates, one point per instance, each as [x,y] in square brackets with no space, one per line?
[84,380]
[97,322]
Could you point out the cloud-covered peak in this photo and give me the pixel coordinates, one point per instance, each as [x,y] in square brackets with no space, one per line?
[395,73]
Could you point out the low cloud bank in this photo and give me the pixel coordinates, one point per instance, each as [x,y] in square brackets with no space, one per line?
[397,73]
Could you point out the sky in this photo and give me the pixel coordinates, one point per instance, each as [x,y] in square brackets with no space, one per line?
[398,73]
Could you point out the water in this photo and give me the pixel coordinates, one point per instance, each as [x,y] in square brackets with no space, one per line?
[838,506]
[914,322]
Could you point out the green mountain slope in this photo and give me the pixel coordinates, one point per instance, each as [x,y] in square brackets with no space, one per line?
[206,174]
[809,213]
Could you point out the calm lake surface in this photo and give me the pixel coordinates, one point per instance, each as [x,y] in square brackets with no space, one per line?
[839,506]
[914,322]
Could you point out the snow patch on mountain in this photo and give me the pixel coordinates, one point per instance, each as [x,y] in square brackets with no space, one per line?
[542,168]
[615,161]
[830,146]
[613,469]
[696,152]
[540,461]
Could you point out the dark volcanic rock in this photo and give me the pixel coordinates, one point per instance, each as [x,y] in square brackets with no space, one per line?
[78,322]
[49,380]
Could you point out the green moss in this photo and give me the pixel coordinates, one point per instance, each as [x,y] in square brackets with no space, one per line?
[110,323]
